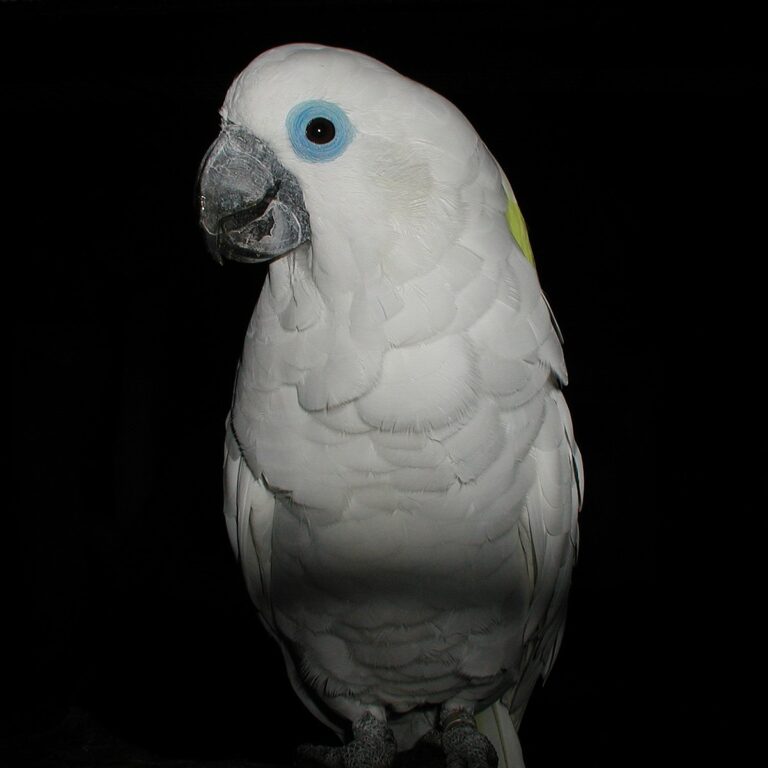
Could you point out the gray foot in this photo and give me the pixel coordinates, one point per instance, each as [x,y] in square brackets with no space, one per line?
[373,746]
[464,746]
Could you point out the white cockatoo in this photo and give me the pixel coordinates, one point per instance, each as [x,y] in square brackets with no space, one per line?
[401,478]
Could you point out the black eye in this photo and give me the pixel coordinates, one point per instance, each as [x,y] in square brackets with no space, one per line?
[320,130]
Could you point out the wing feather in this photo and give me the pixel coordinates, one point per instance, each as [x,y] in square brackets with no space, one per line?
[249,512]
[548,527]
[249,509]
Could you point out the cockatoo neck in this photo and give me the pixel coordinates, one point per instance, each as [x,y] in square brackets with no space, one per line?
[340,261]
[326,281]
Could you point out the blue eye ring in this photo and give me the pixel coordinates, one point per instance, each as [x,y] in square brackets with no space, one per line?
[319,130]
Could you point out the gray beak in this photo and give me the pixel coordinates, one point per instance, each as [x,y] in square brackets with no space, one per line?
[251,207]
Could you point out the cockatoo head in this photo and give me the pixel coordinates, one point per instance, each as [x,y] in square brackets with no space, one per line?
[332,146]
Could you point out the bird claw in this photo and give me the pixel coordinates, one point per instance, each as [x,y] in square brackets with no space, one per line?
[373,746]
[465,747]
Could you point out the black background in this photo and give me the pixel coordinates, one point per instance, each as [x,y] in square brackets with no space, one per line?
[126,601]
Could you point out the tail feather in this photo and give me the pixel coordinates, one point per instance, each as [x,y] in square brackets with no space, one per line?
[496,725]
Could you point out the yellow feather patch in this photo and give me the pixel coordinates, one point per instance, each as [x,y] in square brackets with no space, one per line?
[516,224]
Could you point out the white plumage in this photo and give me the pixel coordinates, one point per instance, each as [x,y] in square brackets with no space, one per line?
[402,482]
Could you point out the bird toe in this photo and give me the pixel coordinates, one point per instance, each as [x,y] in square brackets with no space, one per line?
[373,746]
